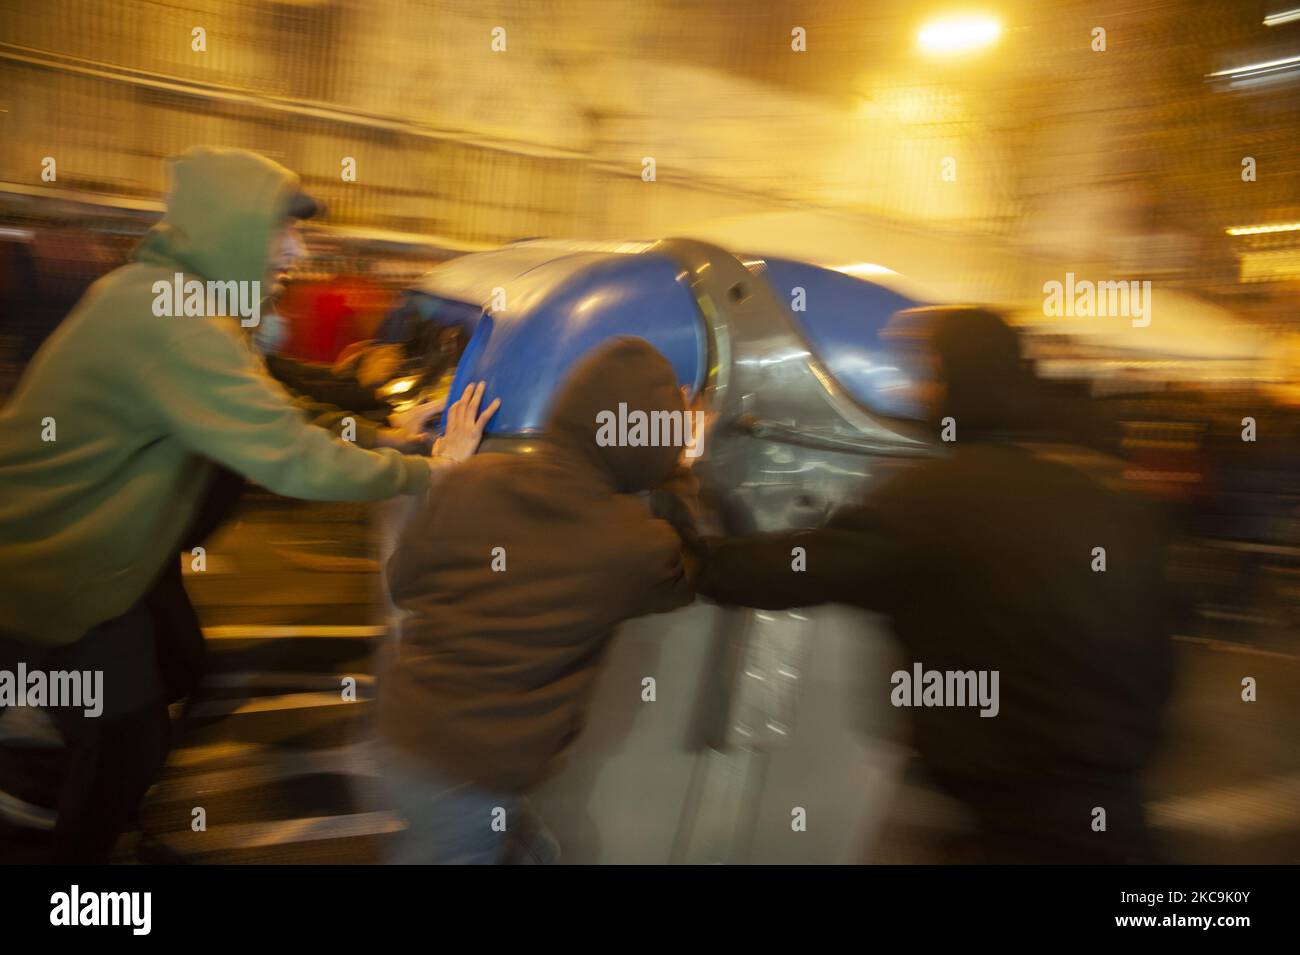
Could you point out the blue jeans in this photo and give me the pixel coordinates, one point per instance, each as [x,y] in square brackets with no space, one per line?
[452,822]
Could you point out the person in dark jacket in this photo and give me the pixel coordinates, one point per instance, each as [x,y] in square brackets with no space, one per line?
[987,559]
[512,578]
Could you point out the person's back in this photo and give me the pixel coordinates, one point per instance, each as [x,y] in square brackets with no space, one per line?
[1027,566]
[513,579]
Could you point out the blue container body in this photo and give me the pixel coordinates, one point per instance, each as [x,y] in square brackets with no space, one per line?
[561,309]
[842,321]
[562,300]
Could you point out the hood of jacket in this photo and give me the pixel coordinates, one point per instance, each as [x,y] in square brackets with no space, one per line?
[594,417]
[223,209]
[984,377]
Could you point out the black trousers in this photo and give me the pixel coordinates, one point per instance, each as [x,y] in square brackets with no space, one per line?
[96,782]
[151,656]
[111,762]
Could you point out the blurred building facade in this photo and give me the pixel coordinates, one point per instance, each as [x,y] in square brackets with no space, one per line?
[1116,155]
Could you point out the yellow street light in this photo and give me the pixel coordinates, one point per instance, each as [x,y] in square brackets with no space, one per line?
[959,33]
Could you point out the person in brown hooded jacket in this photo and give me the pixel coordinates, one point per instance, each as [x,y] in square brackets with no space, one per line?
[512,579]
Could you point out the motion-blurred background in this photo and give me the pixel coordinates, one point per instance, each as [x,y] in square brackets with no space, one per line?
[1163,148]
[962,170]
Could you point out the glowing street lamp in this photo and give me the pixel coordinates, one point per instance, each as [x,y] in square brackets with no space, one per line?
[958,34]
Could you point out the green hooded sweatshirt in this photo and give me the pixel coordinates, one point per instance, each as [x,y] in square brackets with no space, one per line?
[105,446]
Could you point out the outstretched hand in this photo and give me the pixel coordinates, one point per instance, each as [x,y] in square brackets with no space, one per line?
[465,425]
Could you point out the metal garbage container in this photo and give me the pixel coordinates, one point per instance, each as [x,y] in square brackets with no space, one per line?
[769,737]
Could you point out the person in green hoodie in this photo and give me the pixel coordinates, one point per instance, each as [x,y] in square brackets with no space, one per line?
[107,448]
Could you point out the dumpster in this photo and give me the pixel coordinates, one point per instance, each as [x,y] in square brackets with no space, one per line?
[768,738]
